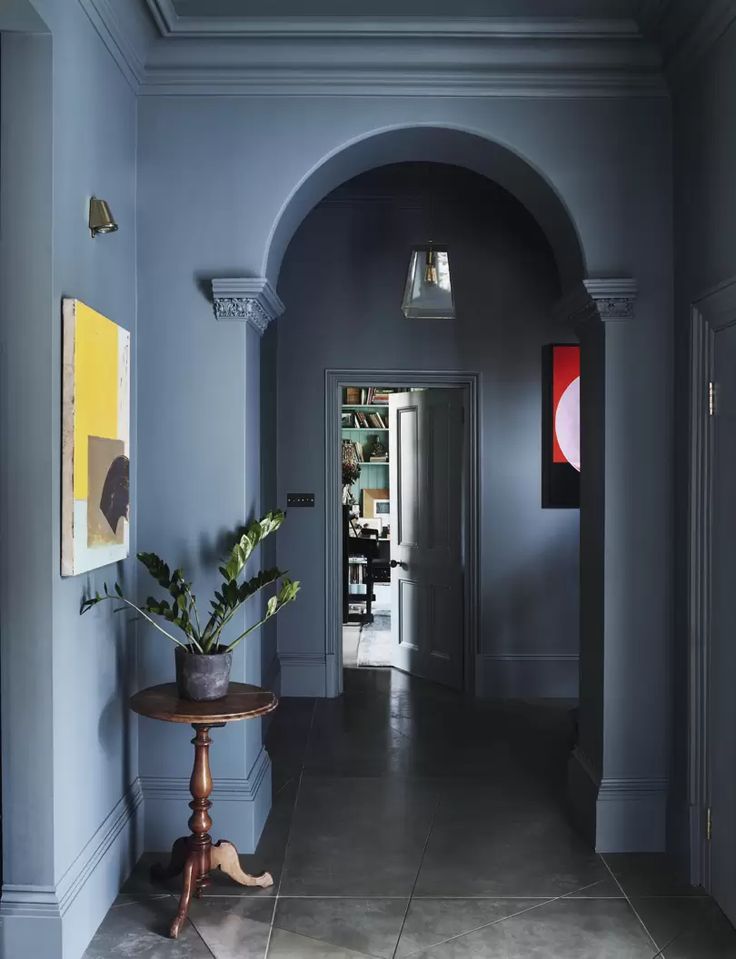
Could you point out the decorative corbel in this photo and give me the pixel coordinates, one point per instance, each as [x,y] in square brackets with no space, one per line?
[247,299]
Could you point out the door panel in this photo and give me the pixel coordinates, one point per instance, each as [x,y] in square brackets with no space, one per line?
[427,450]
[722,666]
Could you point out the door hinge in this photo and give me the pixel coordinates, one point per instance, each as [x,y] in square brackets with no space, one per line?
[711,399]
[708,824]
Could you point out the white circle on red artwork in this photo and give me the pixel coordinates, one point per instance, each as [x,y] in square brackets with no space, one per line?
[567,423]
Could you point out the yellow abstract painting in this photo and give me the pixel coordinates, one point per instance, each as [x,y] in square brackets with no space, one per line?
[95,440]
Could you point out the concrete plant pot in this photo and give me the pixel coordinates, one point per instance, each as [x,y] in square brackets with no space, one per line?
[202,677]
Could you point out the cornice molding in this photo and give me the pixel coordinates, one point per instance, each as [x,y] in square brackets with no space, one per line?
[160,53]
[247,299]
[170,24]
[125,38]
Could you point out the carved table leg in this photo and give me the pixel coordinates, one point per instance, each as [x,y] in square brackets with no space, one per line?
[186,896]
[225,855]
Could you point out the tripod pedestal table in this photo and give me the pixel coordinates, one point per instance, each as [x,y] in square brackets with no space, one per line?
[195,856]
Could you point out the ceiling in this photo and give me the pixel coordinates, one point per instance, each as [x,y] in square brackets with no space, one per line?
[588,9]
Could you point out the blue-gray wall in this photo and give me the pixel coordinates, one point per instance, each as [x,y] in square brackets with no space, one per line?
[705,256]
[68,130]
[342,281]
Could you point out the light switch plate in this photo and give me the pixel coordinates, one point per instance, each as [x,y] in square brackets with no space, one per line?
[300,499]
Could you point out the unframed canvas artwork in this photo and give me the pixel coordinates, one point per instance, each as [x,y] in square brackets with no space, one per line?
[561,426]
[95,440]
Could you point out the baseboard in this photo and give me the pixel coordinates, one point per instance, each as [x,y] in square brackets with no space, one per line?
[58,922]
[240,807]
[582,793]
[631,815]
[527,675]
[617,815]
[303,675]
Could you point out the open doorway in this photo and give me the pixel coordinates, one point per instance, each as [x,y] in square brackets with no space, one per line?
[401,492]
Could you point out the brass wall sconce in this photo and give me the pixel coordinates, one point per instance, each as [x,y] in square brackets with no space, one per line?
[101,219]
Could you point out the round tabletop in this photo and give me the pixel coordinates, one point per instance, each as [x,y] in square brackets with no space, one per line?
[242,702]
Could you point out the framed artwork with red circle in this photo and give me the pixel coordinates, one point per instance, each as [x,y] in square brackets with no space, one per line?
[561,426]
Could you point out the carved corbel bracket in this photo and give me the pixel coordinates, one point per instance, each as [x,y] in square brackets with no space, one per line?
[249,299]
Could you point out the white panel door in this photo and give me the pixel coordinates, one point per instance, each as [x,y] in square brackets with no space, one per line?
[427,452]
[722,701]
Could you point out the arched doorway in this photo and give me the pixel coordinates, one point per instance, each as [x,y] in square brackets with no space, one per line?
[343,276]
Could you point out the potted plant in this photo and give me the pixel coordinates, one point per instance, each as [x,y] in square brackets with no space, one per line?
[203,656]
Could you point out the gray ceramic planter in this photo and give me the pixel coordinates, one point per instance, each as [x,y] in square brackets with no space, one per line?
[202,678]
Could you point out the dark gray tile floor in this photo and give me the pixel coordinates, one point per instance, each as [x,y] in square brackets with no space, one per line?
[408,822]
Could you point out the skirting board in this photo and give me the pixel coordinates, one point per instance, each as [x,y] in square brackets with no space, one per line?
[239,807]
[527,676]
[619,815]
[303,676]
[58,922]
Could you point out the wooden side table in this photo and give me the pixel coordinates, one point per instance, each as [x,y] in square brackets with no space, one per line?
[195,855]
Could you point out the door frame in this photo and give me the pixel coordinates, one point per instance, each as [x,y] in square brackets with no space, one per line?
[711,312]
[335,381]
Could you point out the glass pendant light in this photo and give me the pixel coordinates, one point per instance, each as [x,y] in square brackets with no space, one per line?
[428,292]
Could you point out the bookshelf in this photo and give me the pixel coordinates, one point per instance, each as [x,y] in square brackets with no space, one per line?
[363,417]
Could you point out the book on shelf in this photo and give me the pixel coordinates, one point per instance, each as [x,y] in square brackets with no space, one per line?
[378,459]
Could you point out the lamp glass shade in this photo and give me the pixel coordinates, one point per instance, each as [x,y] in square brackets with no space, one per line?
[428,291]
[101,219]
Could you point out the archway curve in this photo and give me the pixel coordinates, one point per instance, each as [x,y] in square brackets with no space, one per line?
[455,146]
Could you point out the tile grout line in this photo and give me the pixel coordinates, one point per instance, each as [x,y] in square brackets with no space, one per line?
[291,829]
[419,869]
[631,906]
[495,922]
[191,922]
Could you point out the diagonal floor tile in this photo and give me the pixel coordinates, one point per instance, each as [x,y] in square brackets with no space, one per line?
[357,837]
[140,928]
[649,874]
[687,927]
[287,945]
[513,851]
[365,925]
[564,929]
[233,928]
[433,921]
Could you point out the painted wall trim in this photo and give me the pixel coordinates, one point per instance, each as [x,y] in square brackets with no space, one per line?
[127,50]
[250,299]
[303,675]
[547,675]
[489,57]
[631,815]
[335,380]
[240,806]
[73,909]
[627,814]
[171,24]
[711,311]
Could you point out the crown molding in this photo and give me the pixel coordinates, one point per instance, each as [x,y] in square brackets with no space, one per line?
[365,56]
[127,34]
[249,299]
[170,24]
[436,66]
